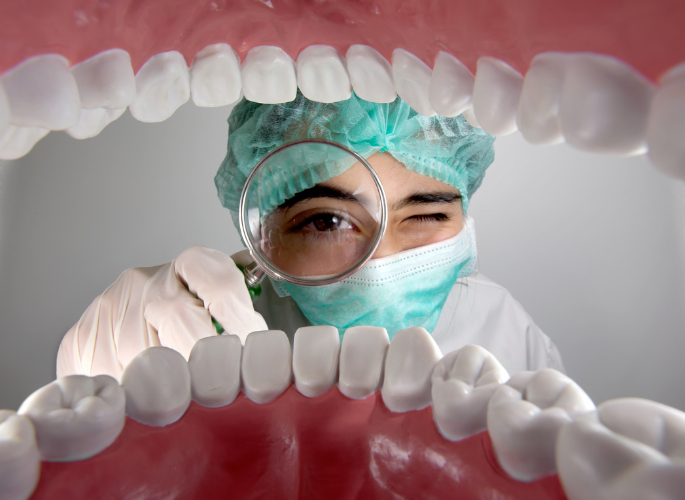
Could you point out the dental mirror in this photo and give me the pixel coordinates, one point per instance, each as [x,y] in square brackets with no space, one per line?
[312,212]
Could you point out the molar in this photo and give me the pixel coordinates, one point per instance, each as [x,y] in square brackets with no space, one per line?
[496,93]
[214,365]
[215,76]
[15,142]
[93,121]
[362,358]
[322,75]
[106,80]
[267,365]
[370,74]
[451,86]
[268,75]
[412,80]
[315,359]
[19,457]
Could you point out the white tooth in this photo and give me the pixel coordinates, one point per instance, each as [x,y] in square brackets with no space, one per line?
[630,449]
[215,76]
[162,86]
[315,359]
[666,124]
[412,80]
[496,92]
[19,457]
[268,75]
[471,118]
[15,142]
[370,74]
[412,355]
[76,417]
[93,121]
[267,365]
[322,74]
[106,80]
[463,383]
[604,105]
[523,424]
[362,359]
[214,365]
[538,111]
[157,386]
[451,87]
[42,92]
[4,111]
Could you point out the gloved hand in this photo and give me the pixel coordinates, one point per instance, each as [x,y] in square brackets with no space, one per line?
[155,306]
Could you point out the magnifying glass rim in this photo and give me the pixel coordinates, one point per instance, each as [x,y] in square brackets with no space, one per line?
[280,275]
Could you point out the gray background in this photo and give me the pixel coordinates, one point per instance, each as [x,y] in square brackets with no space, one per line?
[592,246]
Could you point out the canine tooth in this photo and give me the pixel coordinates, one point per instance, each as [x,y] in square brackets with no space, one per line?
[267,363]
[412,80]
[604,105]
[268,75]
[370,74]
[451,87]
[315,359]
[412,355]
[496,93]
[214,365]
[463,383]
[15,142]
[157,386]
[215,76]
[4,111]
[538,110]
[322,74]
[76,417]
[471,117]
[162,86]
[93,121]
[42,92]
[362,359]
[106,80]
[523,424]
[19,457]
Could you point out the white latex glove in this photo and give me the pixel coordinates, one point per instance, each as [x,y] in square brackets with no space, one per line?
[155,306]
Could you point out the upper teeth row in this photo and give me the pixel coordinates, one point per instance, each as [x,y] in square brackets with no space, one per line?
[596,103]
[538,421]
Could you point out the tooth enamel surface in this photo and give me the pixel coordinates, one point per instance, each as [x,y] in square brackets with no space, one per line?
[362,360]
[268,75]
[267,362]
[462,384]
[370,74]
[538,111]
[322,74]
[106,80]
[315,359]
[162,86]
[412,81]
[496,93]
[604,105]
[42,92]
[471,118]
[157,386]
[19,457]
[4,111]
[15,142]
[93,121]
[412,355]
[215,76]
[524,423]
[76,417]
[451,86]
[214,365]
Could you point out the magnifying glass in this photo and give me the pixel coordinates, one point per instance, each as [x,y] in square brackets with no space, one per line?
[312,212]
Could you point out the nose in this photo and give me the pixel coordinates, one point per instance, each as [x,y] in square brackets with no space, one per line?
[390,245]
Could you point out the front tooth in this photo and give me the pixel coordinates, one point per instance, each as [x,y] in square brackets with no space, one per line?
[471,118]
[412,355]
[162,86]
[463,383]
[412,80]
[496,93]
[4,111]
[370,74]
[268,75]
[267,362]
[106,80]
[42,92]
[524,417]
[604,105]
[93,121]
[322,75]
[76,417]
[362,358]
[538,111]
[215,76]
[214,365]
[19,457]
[451,87]
[15,142]
[157,386]
[315,359]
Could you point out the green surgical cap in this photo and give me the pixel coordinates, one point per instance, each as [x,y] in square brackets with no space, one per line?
[447,149]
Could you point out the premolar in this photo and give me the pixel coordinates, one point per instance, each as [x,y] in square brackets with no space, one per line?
[267,365]
[214,365]
[268,75]
[370,74]
[496,93]
[412,80]
[362,358]
[215,76]
[322,75]
[315,359]
[19,457]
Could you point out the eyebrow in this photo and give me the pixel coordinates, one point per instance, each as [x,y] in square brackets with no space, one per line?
[426,199]
[318,191]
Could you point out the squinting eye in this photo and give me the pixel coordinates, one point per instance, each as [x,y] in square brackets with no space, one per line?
[430,218]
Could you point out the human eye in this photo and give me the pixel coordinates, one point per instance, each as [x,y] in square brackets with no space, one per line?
[428,218]
[322,222]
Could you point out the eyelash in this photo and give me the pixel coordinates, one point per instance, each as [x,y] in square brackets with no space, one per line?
[430,218]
